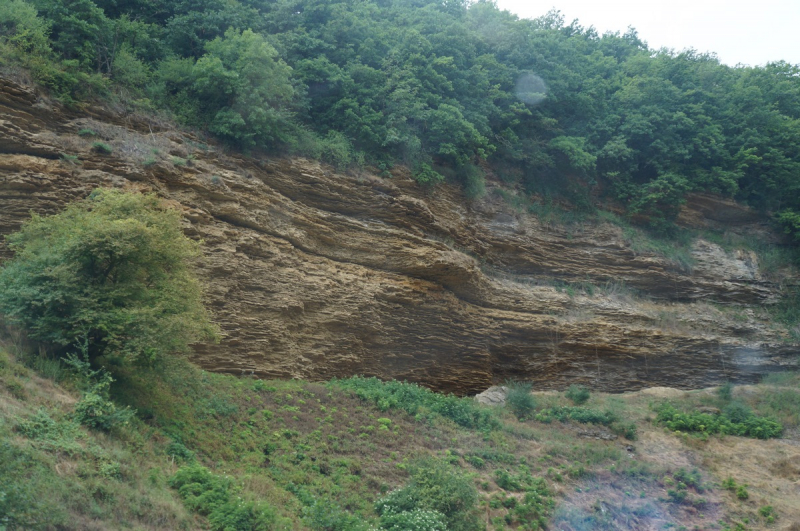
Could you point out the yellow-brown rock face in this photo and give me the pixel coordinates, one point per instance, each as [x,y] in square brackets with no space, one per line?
[313,274]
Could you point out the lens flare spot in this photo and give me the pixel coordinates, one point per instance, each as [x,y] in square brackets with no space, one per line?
[531,89]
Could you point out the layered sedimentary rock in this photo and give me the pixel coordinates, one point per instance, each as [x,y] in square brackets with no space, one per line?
[315,274]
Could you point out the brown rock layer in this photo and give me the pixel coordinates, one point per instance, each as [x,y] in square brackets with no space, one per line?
[314,274]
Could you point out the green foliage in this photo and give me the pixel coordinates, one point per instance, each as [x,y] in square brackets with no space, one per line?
[554,106]
[102,148]
[625,429]
[95,410]
[324,515]
[725,391]
[520,400]
[435,495]
[768,512]
[530,511]
[578,394]
[112,271]
[416,400]
[578,414]
[413,520]
[22,29]
[736,420]
[49,434]
[21,504]
[239,87]
[215,497]
[424,174]
[741,492]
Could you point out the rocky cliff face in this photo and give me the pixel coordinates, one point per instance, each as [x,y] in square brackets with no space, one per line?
[314,274]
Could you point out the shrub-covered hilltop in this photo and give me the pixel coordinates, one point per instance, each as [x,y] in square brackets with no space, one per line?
[444,87]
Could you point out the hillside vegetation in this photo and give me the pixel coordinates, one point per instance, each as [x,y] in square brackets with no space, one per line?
[448,88]
[218,452]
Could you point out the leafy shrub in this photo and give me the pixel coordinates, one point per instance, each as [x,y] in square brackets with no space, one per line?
[625,429]
[413,520]
[102,148]
[213,496]
[87,132]
[94,409]
[70,159]
[49,434]
[531,511]
[737,412]
[740,423]
[177,450]
[767,512]
[520,400]
[325,515]
[578,394]
[578,414]
[112,271]
[691,478]
[434,490]
[725,391]
[416,400]
[741,492]
[425,175]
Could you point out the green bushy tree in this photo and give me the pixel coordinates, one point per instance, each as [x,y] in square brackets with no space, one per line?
[23,29]
[113,271]
[239,89]
[520,399]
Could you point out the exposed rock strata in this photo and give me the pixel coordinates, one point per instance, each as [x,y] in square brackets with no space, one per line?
[314,274]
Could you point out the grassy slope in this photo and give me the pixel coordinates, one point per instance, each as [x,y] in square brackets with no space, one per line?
[288,442]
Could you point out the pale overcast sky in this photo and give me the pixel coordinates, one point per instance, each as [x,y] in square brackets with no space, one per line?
[738,31]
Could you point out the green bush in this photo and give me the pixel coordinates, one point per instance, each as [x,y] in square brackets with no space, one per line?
[435,489]
[95,410]
[736,420]
[240,89]
[531,511]
[578,414]
[741,492]
[102,148]
[416,400]
[725,391]
[215,497]
[325,515]
[578,394]
[413,520]
[113,272]
[425,175]
[23,30]
[520,400]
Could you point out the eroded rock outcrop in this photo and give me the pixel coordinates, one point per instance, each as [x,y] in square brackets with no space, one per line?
[314,274]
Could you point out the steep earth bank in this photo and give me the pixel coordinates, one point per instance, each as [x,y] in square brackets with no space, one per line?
[314,274]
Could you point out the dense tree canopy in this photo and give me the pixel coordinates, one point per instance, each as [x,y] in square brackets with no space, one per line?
[443,86]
